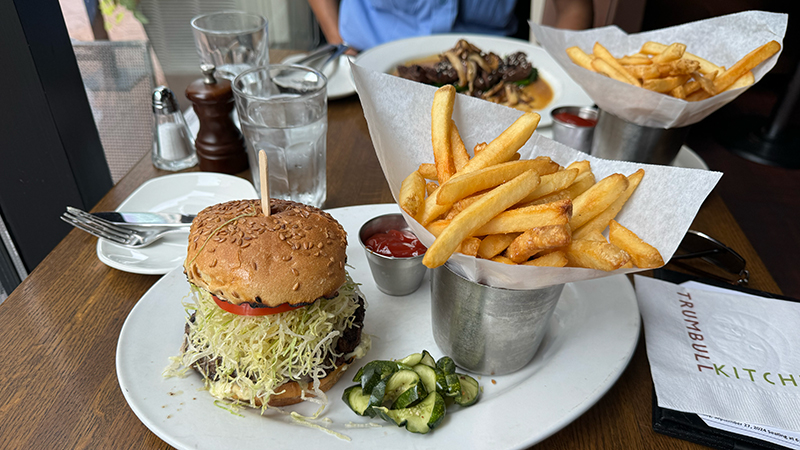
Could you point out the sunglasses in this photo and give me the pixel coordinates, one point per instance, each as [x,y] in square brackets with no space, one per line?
[697,246]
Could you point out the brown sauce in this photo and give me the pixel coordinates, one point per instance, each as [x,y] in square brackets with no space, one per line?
[540,90]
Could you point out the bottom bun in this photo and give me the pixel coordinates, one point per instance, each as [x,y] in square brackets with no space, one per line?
[290,393]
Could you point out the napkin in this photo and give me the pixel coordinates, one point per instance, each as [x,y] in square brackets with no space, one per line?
[398,113]
[721,40]
[722,354]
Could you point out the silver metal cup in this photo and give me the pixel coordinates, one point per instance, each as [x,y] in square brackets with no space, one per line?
[571,135]
[615,138]
[486,330]
[393,276]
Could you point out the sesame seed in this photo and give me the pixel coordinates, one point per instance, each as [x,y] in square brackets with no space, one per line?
[296,286]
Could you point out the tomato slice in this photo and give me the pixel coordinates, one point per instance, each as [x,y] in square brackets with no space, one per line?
[246,310]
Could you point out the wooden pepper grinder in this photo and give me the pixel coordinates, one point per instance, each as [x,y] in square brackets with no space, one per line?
[219,143]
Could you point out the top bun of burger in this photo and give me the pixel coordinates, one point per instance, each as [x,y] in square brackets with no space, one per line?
[296,255]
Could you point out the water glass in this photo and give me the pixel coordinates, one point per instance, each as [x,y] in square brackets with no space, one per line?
[283,110]
[232,41]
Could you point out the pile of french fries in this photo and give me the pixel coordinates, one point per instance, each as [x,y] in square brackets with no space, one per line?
[670,69]
[495,206]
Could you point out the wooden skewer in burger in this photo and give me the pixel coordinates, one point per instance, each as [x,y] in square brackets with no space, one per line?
[277,319]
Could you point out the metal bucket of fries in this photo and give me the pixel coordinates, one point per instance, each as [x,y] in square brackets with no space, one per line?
[487,330]
[618,139]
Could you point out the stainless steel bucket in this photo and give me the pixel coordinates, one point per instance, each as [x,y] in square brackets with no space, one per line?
[615,138]
[486,330]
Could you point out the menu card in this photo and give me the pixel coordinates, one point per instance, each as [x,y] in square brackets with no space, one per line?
[727,356]
[720,40]
[398,113]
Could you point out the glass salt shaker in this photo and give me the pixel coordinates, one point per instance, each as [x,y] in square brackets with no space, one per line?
[173,146]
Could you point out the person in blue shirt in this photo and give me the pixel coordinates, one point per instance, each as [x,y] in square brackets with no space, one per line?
[363,24]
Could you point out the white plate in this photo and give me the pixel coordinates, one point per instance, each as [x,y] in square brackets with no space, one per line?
[340,79]
[384,58]
[590,340]
[688,159]
[185,193]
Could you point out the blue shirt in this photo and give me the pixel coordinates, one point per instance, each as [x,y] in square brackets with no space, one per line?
[366,23]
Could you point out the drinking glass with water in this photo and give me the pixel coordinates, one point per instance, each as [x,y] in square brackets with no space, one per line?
[283,110]
[232,41]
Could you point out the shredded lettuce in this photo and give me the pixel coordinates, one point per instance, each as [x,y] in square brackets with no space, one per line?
[256,355]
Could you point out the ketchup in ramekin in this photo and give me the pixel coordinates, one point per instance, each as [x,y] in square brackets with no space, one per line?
[395,243]
[574,119]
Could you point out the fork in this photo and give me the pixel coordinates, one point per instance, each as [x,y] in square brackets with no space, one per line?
[119,235]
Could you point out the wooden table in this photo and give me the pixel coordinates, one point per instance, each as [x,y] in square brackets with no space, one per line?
[59,328]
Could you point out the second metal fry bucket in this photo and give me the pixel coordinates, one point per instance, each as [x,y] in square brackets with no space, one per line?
[486,330]
[615,138]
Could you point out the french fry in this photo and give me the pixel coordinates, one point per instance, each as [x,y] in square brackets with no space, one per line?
[743,81]
[522,219]
[678,92]
[551,198]
[503,259]
[580,58]
[581,184]
[694,85]
[469,246]
[431,187]
[634,60]
[582,166]
[746,64]
[537,239]
[462,186]
[460,155]
[462,204]
[428,171]
[654,48]
[644,255]
[664,85]
[554,259]
[600,222]
[501,149]
[412,193]
[597,198]
[552,183]
[441,114]
[494,244]
[596,255]
[603,54]
[477,215]
[705,83]
[622,75]
[671,53]
[436,227]
[478,147]
[595,236]
[642,72]
[697,96]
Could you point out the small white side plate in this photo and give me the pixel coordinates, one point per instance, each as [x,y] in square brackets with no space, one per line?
[186,193]
[340,79]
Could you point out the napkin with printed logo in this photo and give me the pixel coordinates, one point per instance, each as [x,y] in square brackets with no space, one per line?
[723,354]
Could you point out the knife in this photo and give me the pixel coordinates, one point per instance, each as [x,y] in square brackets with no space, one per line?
[146,219]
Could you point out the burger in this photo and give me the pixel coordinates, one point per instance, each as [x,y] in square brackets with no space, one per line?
[275,317]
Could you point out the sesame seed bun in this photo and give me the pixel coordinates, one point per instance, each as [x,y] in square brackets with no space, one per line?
[294,256]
